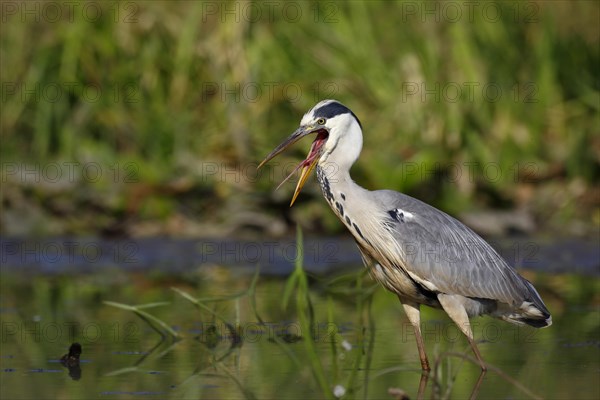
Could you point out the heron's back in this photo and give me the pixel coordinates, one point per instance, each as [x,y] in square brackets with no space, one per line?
[442,255]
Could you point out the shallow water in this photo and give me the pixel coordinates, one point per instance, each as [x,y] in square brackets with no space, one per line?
[363,343]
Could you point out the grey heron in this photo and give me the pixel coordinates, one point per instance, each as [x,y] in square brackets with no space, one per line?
[416,251]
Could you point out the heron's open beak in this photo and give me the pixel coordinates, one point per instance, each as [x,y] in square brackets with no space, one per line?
[316,149]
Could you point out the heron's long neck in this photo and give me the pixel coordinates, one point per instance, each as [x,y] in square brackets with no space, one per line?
[346,199]
[334,182]
[340,191]
[350,202]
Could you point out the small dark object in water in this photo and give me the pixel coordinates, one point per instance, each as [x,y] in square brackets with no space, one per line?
[71,361]
[73,356]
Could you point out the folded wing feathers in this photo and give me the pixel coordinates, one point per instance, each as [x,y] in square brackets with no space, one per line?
[461,263]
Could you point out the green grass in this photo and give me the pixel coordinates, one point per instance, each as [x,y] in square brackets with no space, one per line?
[158,325]
[296,288]
[173,91]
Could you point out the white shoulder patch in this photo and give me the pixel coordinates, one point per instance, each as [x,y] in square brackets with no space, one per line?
[401,215]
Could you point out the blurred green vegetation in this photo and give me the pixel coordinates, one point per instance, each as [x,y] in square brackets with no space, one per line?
[177,102]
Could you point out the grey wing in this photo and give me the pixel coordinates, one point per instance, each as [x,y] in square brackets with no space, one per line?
[446,256]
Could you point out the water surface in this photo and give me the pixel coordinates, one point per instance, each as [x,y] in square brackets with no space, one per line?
[360,344]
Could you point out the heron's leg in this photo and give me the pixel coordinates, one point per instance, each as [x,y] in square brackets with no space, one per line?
[456,311]
[414,316]
[422,385]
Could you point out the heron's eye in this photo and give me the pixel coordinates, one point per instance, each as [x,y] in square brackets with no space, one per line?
[321,121]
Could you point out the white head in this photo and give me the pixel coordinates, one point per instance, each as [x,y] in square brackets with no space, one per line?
[338,141]
[344,141]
